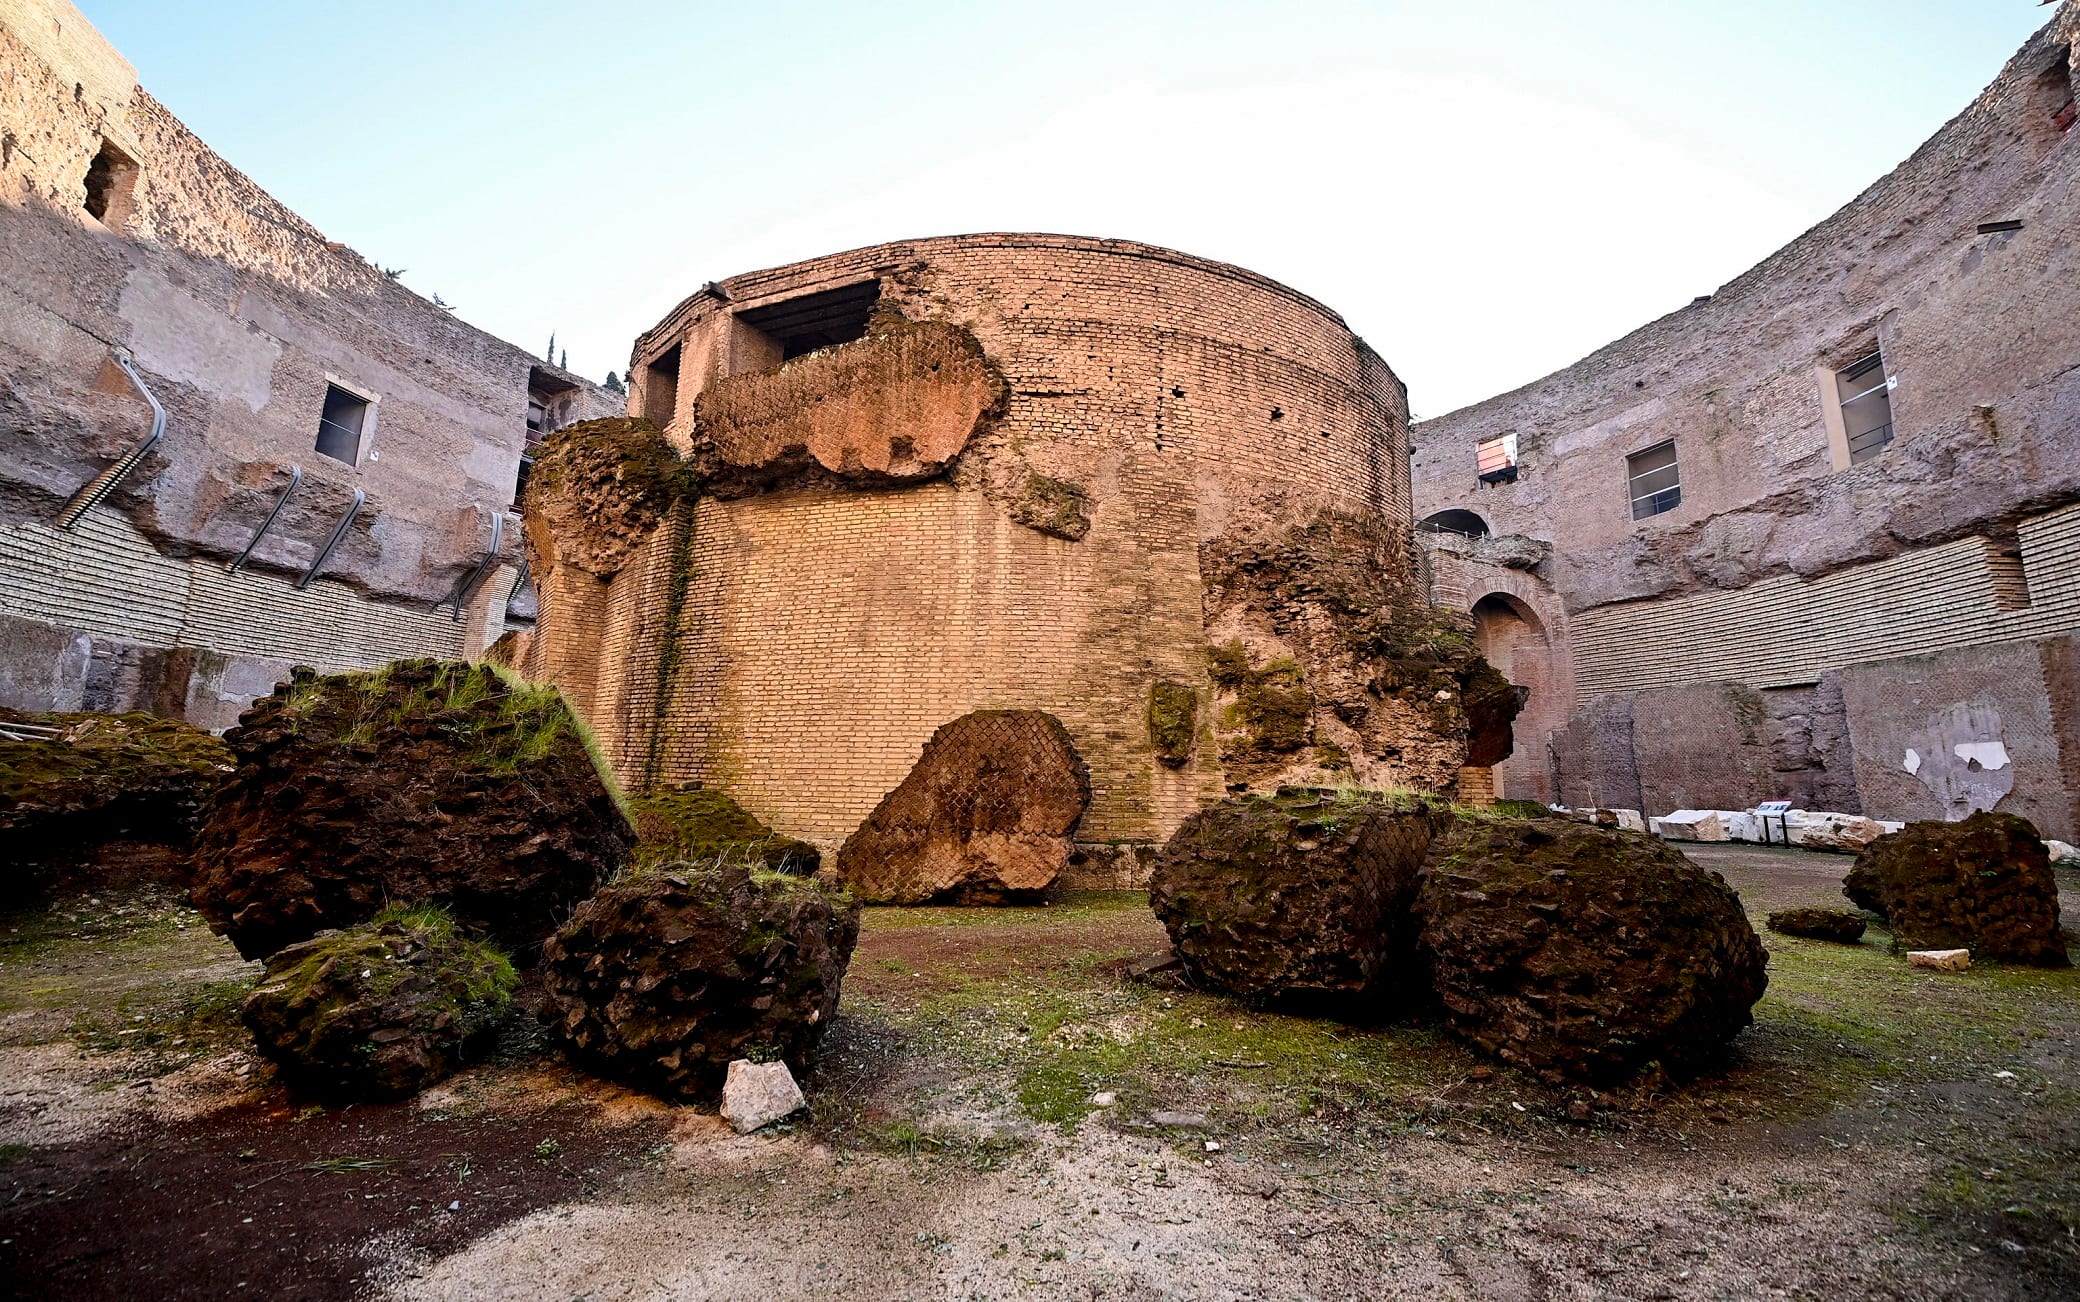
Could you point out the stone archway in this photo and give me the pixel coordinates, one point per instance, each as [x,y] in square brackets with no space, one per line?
[1515,640]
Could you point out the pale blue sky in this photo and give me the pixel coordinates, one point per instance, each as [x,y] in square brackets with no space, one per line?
[1486,189]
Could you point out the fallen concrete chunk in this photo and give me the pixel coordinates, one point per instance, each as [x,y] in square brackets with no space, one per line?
[1984,884]
[1845,926]
[1630,820]
[1692,825]
[1941,960]
[757,1094]
[2061,852]
[1845,832]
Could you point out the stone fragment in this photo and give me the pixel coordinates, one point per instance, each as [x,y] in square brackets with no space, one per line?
[1584,953]
[985,817]
[1691,825]
[596,491]
[2062,852]
[380,1010]
[1179,1120]
[1843,925]
[74,783]
[1848,833]
[426,781]
[893,407]
[697,824]
[1941,960]
[1984,884]
[1305,893]
[756,1094]
[671,973]
[1630,820]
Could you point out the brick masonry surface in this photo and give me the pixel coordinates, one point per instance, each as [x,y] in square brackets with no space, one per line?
[1786,570]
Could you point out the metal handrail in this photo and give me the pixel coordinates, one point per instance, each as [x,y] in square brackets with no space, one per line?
[339,531]
[99,487]
[295,480]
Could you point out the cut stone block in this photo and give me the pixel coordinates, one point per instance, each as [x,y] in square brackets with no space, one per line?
[1941,960]
[1692,825]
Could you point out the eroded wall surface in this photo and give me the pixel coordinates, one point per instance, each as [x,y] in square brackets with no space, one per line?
[238,315]
[1173,454]
[1784,563]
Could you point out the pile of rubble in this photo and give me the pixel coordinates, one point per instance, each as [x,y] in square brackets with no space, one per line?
[1578,952]
[391,842]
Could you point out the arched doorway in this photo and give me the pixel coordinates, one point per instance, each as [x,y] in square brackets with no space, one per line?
[1465,523]
[1514,640]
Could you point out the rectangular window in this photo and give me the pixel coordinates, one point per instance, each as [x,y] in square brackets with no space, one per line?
[341,425]
[661,388]
[1495,459]
[1653,480]
[1865,394]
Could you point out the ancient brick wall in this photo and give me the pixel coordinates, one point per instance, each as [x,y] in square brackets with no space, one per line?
[238,314]
[825,629]
[1784,562]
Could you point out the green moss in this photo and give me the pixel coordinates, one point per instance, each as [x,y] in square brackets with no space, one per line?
[1228,664]
[479,976]
[628,450]
[523,724]
[1173,717]
[1520,809]
[1052,506]
[679,581]
[697,824]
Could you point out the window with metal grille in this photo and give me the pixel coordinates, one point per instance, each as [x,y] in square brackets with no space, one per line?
[341,424]
[1653,480]
[1495,459]
[1865,394]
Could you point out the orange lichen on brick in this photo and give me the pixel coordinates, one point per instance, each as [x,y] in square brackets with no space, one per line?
[893,407]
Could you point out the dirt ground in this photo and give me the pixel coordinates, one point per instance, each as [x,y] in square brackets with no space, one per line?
[1879,1132]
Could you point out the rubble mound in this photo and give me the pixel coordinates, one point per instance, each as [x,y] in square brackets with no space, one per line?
[674,971]
[1845,926]
[597,490]
[381,1010]
[1583,953]
[1305,893]
[1984,884]
[425,782]
[697,824]
[984,818]
[893,407]
[74,783]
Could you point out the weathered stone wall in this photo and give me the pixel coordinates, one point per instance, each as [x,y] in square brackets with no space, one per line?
[800,632]
[1783,563]
[238,314]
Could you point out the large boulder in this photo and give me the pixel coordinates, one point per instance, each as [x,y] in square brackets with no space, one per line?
[596,492]
[984,818]
[379,1011]
[1305,893]
[1844,926]
[423,782]
[672,972]
[71,784]
[1984,884]
[1585,953]
[698,824]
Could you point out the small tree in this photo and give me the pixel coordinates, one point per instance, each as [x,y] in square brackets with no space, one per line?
[613,384]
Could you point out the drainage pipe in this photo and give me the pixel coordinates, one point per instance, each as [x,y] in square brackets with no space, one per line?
[98,488]
[339,531]
[476,576]
[295,479]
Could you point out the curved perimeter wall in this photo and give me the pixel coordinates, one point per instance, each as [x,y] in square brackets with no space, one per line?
[825,631]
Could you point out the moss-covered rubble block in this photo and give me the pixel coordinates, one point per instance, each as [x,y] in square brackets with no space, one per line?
[381,1010]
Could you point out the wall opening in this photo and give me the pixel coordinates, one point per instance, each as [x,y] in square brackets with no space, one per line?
[1495,459]
[661,387]
[1465,523]
[551,402]
[111,186]
[341,425]
[1512,638]
[1653,480]
[2051,109]
[2004,567]
[820,320]
[1863,394]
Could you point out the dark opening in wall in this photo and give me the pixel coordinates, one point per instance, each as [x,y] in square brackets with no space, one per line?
[661,388]
[2004,567]
[813,321]
[2051,111]
[1465,523]
[341,425]
[111,186]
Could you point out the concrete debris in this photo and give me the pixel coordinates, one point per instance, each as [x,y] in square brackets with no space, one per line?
[756,1094]
[1691,825]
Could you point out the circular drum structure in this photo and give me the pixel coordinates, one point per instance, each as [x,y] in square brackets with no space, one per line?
[1026,524]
